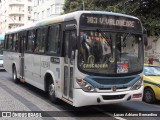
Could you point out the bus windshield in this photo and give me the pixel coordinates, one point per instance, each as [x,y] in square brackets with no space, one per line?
[110,53]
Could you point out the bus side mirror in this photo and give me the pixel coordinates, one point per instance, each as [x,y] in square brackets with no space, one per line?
[145,37]
[145,40]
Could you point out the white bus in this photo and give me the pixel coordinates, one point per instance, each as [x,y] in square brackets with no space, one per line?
[83,58]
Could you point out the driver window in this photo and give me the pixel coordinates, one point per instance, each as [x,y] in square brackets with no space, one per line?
[130,45]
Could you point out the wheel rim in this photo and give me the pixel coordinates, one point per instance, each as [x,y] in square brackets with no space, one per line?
[148,96]
[51,90]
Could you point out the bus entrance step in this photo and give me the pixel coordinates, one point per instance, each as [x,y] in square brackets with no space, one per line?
[22,80]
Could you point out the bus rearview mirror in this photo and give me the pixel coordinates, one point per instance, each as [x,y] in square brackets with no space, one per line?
[145,37]
[145,41]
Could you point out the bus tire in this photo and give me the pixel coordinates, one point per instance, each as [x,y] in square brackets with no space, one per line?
[51,91]
[14,75]
[149,96]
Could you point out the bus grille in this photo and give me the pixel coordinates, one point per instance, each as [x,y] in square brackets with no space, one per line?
[119,88]
[113,81]
[113,97]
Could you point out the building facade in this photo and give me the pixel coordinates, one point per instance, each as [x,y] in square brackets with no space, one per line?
[15,13]
[47,8]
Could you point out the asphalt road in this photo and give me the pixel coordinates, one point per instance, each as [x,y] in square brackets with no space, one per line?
[24,97]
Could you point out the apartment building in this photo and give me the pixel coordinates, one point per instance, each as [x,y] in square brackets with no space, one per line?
[47,8]
[15,13]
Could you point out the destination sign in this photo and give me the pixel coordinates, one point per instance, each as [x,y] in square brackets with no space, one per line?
[110,22]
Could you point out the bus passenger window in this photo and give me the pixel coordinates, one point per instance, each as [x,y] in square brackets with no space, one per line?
[10,42]
[40,42]
[15,42]
[5,42]
[30,40]
[53,40]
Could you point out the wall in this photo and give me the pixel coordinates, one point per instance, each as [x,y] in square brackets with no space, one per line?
[153,49]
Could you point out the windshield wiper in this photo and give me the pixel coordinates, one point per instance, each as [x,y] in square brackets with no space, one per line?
[152,75]
[105,37]
[124,38]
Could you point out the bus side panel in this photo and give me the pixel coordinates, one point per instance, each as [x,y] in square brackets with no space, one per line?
[7,61]
[38,79]
[28,68]
[32,75]
[45,66]
[55,70]
[11,58]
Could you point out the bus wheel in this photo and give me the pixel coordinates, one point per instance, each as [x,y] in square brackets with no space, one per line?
[149,96]
[51,91]
[14,75]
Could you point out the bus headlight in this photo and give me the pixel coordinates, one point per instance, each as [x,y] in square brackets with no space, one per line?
[85,86]
[137,85]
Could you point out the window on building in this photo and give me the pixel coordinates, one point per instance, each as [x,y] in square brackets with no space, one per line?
[52,9]
[40,42]
[29,9]
[36,2]
[19,18]
[35,16]
[58,8]
[53,40]
[42,14]
[10,26]
[29,18]
[48,12]
[39,17]
[14,17]
[40,1]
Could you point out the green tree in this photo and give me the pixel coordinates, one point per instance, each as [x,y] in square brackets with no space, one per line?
[147,10]
[75,5]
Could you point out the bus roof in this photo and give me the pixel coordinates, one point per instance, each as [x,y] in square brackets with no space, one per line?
[67,17]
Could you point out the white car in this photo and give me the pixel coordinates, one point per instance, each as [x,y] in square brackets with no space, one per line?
[1,62]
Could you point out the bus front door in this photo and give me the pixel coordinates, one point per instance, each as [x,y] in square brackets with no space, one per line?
[69,54]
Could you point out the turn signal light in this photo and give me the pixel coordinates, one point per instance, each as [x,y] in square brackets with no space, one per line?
[137,95]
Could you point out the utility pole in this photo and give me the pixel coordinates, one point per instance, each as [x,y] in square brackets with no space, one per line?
[83,4]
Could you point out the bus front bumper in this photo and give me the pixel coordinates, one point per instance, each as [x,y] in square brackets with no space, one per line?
[82,98]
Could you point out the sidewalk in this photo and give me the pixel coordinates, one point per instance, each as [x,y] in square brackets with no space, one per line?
[9,103]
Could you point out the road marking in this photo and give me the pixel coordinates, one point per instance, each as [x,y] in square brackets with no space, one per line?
[107,113]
